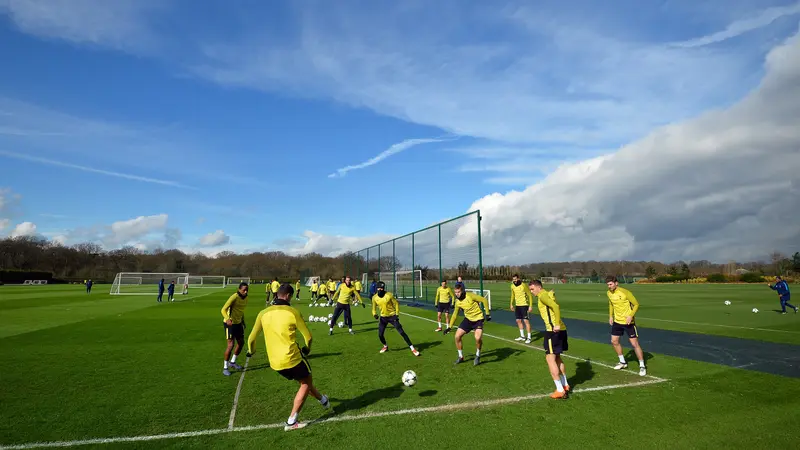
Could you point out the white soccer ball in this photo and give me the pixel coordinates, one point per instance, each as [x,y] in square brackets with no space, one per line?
[727,303]
[311,318]
[409,378]
[330,316]
[340,324]
[755,310]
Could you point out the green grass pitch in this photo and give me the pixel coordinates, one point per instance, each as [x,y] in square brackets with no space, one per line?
[87,370]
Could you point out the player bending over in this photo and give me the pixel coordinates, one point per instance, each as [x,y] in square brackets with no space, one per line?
[473,320]
[443,302]
[280,324]
[555,337]
[622,307]
[233,321]
[522,305]
[782,287]
[343,296]
[390,312]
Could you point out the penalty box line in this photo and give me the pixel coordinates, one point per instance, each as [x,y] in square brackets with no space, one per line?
[328,419]
[530,347]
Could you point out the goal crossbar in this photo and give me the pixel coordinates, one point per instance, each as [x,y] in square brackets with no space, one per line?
[146,283]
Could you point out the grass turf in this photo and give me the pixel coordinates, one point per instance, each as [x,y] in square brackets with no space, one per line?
[102,366]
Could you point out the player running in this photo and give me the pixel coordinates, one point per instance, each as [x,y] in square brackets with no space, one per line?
[622,307]
[233,321]
[443,303]
[390,312]
[343,297]
[280,324]
[782,287]
[555,337]
[522,305]
[473,320]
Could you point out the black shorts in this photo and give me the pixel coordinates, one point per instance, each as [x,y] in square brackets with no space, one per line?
[298,372]
[322,296]
[443,307]
[521,312]
[468,325]
[555,342]
[618,329]
[393,320]
[234,331]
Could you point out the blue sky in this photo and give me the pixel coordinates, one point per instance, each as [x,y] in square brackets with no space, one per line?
[163,122]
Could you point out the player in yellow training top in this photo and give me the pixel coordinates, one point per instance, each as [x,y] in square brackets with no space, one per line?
[280,324]
[323,292]
[443,302]
[314,289]
[622,307]
[522,305]
[555,337]
[233,321]
[473,320]
[357,285]
[389,314]
[331,289]
[343,296]
[273,288]
[297,290]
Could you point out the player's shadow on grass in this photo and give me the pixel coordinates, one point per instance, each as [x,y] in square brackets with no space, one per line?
[257,367]
[322,355]
[421,346]
[500,354]
[365,330]
[368,398]
[583,372]
[631,356]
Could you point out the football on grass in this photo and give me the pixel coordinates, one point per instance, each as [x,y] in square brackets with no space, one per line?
[409,378]
[755,310]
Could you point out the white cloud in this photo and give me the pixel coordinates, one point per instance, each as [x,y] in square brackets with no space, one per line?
[24,229]
[59,239]
[740,27]
[4,224]
[215,239]
[331,245]
[392,150]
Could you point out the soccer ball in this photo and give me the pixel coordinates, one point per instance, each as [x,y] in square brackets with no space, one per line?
[311,318]
[330,316]
[409,378]
[755,310]
[340,324]
[727,303]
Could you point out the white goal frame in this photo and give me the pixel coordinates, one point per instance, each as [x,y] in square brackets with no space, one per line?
[180,281]
[200,281]
[391,277]
[550,280]
[34,282]
[310,280]
[487,294]
[235,281]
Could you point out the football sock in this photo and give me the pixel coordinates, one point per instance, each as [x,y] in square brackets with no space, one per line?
[411,347]
[351,330]
[564,381]
[521,333]
[529,336]
[641,363]
[440,324]
[559,387]
[478,352]
[292,419]
[622,359]
[323,399]
[233,360]
[226,364]
[460,354]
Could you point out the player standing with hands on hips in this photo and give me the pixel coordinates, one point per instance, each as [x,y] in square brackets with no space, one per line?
[622,307]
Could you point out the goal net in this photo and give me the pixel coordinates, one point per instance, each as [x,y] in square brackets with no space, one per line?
[236,281]
[550,280]
[403,283]
[310,280]
[207,281]
[131,283]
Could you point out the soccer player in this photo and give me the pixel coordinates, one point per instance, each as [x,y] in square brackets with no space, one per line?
[233,322]
[280,324]
[323,292]
[297,290]
[314,289]
[460,282]
[555,337]
[373,288]
[522,305]
[343,296]
[171,291]
[160,290]
[89,286]
[473,320]
[358,285]
[274,288]
[331,286]
[783,294]
[443,302]
[622,307]
[390,312]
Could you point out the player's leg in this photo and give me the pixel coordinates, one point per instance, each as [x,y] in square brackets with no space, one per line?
[528,329]
[239,346]
[616,333]
[555,373]
[336,313]
[459,344]
[633,335]
[438,318]
[381,332]
[519,315]
[478,345]
[348,318]
[447,317]
[787,297]
[228,349]
[399,328]
[563,372]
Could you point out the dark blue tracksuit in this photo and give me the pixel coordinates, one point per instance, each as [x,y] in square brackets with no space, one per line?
[160,290]
[170,292]
[373,289]
[89,287]
[783,293]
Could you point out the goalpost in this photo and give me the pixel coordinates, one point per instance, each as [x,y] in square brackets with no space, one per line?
[132,283]
[550,280]
[403,283]
[310,280]
[207,281]
[236,281]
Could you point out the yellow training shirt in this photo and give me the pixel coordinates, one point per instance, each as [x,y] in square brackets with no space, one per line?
[297,287]
[521,295]
[443,295]
[471,307]
[621,304]
[388,305]
[233,309]
[344,293]
[549,310]
[280,324]
[275,285]
[331,286]
[323,289]
[358,286]
[314,287]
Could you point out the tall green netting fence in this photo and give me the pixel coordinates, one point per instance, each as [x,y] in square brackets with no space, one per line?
[413,266]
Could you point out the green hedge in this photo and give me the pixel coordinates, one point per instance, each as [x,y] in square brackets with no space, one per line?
[717,278]
[751,277]
[671,278]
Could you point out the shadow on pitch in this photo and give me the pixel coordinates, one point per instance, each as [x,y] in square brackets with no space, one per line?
[428,393]
[500,354]
[631,356]
[583,372]
[421,346]
[257,367]
[368,398]
[322,355]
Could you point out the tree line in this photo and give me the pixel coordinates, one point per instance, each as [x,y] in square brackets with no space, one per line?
[88,260]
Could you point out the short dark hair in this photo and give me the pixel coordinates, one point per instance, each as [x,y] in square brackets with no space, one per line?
[285,290]
[536,283]
[778,277]
[243,284]
[611,279]
[516,275]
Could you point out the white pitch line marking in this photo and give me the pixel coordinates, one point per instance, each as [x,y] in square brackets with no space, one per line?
[236,397]
[343,418]
[577,358]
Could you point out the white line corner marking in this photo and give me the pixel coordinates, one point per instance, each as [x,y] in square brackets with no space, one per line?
[236,397]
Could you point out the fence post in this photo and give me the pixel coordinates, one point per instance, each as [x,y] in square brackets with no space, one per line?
[441,273]
[413,268]
[480,252]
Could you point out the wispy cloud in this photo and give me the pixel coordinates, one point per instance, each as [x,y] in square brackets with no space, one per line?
[740,27]
[393,150]
[110,173]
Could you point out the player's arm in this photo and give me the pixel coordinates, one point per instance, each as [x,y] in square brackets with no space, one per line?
[610,312]
[452,294]
[634,303]
[373,308]
[485,304]
[436,299]
[511,303]
[251,339]
[226,309]
[336,293]
[303,329]
[358,297]
[454,315]
[396,305]
[550,301]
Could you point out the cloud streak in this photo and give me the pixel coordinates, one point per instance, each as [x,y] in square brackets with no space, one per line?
[127,176]
[740,27]
[392,150]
